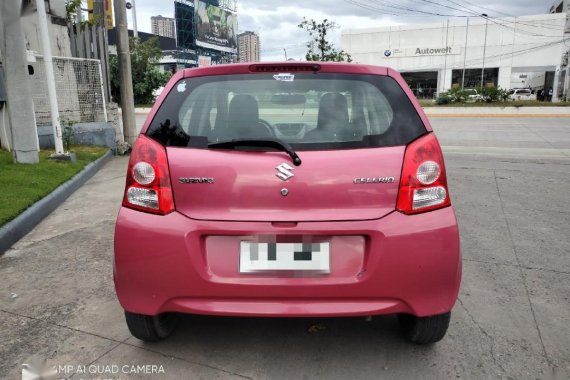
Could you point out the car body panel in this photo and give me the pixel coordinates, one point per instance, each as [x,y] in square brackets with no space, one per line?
[409,264]
[246,187]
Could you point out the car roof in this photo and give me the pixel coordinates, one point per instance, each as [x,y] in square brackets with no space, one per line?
[286,67]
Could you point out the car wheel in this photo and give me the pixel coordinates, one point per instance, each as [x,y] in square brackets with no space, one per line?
[151,328]
[424,330]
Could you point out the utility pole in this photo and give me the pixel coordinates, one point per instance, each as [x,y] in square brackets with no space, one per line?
[484,15]
[24,134]
[50,78]
[465,55]
[125,75]
[445,61]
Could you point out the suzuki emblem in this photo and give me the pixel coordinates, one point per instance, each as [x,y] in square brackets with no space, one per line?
[284,171]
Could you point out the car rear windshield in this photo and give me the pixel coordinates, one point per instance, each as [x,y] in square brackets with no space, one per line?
[310,111]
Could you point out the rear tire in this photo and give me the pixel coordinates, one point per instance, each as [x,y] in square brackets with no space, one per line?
[151,328]
[424,330]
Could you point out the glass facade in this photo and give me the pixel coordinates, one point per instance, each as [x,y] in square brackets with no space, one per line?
[473,78]
[423,84]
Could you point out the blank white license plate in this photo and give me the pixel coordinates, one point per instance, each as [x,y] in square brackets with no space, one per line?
[258,257]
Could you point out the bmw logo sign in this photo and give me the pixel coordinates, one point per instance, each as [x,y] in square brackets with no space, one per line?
[387,53]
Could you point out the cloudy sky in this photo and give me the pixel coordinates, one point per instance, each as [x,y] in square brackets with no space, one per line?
[276,21]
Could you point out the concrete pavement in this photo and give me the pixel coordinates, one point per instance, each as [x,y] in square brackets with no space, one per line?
[512,319]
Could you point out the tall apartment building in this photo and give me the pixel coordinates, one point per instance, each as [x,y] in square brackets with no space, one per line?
[248,47]
[163,26]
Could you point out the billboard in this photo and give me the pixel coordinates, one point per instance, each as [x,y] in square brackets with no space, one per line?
[215,28]
[184,16]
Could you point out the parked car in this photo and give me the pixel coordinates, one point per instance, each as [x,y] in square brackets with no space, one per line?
[521,94]
[472,95]
[244,199]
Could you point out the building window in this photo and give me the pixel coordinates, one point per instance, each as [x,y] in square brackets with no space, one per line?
[473,78]
[422,84]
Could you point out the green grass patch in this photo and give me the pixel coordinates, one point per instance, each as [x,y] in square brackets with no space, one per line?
[22,184]
[518,103]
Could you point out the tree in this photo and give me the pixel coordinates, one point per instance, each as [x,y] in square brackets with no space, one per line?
[319,48]
[71,9]
[146,77]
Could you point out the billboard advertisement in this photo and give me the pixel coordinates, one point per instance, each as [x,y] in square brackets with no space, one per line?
[215,28]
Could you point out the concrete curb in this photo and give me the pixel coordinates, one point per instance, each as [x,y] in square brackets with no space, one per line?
[497,115]
[14,230]
[523,112]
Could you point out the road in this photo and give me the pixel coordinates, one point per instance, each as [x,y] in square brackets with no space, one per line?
[509,181]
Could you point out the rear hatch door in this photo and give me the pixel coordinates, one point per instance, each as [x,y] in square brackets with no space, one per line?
[355,184]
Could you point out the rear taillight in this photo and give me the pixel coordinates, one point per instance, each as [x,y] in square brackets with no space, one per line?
[423,186]
[148,185]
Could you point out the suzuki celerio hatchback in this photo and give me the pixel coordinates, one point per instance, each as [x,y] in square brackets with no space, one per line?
[287,190]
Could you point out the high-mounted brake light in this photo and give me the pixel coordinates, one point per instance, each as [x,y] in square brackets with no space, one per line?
[148,185]
[283,68]
[423,185]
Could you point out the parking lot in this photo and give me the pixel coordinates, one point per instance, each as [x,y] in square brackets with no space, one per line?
[509,182]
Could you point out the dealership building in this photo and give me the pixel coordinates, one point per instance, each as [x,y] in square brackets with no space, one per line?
[511,52]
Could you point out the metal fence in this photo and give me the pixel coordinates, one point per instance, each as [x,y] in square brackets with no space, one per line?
[79,90]
[90,41]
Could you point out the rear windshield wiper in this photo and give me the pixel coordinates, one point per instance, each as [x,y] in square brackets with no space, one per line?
[261,143]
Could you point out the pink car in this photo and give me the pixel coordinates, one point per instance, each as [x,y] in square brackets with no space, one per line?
[287,190]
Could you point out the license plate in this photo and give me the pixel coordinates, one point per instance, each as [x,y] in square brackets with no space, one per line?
[260,257]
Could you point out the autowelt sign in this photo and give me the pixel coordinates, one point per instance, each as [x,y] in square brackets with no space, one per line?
[422,51]
[434,51]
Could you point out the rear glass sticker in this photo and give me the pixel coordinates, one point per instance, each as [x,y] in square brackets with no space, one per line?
[181,87]
[284,77]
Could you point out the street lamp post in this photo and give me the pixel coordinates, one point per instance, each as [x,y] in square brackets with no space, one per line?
[486,17]
[130,5]
[445,61]
[135,30]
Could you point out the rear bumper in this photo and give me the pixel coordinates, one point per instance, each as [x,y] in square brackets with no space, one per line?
[402,264]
